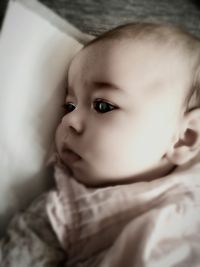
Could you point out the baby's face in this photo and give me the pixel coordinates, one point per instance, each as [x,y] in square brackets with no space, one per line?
[122,110]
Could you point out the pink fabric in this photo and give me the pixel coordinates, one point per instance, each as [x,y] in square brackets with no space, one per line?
[150,224]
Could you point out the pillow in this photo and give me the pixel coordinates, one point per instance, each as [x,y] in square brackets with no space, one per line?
[36,47]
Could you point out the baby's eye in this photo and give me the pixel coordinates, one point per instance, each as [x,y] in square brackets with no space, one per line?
[68,107]
[102,106]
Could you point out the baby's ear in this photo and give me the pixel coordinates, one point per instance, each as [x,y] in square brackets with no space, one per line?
[188,144]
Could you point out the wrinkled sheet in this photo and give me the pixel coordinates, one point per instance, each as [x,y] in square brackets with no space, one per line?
[140,224]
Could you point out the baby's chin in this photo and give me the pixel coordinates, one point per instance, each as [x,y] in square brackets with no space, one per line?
[87,179]
[94,180]
[85,173]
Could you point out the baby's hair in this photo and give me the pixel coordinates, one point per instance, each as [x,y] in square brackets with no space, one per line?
[167,35]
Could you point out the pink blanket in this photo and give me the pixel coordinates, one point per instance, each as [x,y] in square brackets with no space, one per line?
[147,224]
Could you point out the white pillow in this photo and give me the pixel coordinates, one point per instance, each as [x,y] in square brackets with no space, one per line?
[35,49]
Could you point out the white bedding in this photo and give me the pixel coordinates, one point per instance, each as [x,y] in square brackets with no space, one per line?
[36,47]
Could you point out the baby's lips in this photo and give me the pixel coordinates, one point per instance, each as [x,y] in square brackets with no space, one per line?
[71,156]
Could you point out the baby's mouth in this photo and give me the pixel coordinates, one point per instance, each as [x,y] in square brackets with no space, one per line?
[70,156]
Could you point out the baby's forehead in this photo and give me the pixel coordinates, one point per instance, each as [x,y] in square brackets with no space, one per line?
[129,49]
[128,61]
[129,54]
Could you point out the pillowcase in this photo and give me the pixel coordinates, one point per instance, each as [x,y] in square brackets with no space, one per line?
[36,47]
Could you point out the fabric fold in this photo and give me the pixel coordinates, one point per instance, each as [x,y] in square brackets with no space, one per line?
[90,221]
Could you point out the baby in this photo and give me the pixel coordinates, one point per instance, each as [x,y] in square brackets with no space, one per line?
[126,161]
[127,115]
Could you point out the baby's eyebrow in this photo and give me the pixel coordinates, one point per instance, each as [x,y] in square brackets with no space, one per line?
[98,86]
[106,86]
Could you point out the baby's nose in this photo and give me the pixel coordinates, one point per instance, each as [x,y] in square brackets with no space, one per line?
[74,121]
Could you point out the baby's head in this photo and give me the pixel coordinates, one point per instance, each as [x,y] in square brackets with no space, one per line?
[132,105]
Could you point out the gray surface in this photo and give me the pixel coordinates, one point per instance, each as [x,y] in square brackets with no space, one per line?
[94,17]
